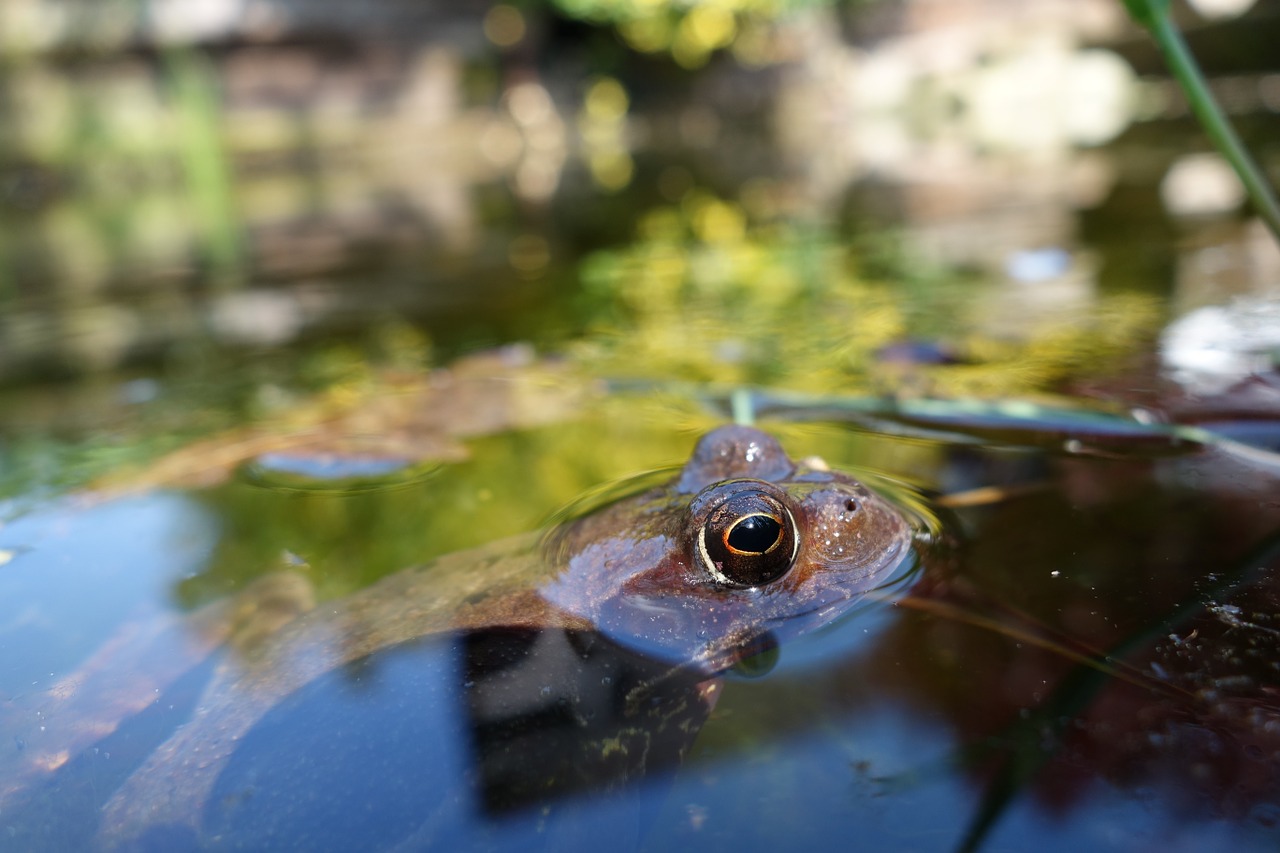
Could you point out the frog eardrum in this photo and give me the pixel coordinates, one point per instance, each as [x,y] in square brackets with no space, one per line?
[747,536]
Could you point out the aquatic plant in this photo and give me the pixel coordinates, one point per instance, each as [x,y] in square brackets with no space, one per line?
[689,30]
[1153,15]
[711,292]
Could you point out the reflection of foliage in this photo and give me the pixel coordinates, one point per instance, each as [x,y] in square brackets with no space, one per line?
[703,297]
[706,296]
[205,164]
[1116,330]
[511,483]
[689,29]
[119,169]
[205,393]
[602,122]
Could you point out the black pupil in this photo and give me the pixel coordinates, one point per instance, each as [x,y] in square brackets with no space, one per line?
[754,534]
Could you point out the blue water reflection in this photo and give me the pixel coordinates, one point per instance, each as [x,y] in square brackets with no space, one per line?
[1085,664]
[83,569]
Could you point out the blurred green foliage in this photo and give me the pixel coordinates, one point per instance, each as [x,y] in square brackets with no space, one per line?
[123,424]
[690,30]
[712,292]
[205,164]
[707,295]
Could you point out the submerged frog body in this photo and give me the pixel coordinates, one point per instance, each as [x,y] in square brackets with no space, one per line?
[743,547]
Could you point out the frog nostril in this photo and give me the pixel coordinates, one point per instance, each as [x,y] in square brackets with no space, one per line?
[850,506]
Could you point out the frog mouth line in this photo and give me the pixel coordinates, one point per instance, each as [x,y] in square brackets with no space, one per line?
[723,654]
[897,568]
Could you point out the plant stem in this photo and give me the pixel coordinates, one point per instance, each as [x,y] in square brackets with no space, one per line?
[1215,123]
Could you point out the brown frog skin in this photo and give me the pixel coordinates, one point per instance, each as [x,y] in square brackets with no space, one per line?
[743,544]
[660,570]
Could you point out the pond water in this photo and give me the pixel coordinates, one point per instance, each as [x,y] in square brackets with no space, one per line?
[1086,660]
[286,311]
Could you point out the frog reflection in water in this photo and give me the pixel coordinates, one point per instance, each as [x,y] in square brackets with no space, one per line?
[744,545]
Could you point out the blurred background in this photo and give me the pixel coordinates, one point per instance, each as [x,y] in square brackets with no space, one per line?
[208,207]
[326,289]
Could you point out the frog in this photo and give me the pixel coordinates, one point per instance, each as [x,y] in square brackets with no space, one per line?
[741,550]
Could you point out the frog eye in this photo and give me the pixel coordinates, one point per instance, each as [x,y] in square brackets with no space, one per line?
[750,540]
